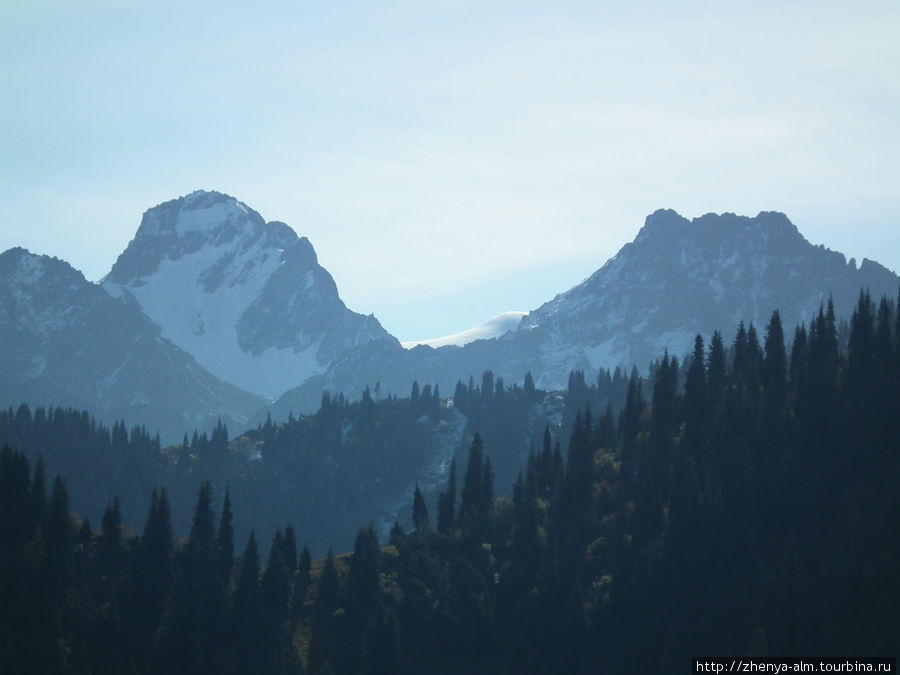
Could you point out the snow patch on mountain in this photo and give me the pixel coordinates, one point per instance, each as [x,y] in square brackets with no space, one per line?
[492,328]
[203,319]
[198,217]
[246,298]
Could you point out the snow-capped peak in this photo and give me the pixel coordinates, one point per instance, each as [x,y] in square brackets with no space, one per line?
[246,298]
[205,211]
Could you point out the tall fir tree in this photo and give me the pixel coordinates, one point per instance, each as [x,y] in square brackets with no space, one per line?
[696,404]
[420,511]
[246,621]
[225,542]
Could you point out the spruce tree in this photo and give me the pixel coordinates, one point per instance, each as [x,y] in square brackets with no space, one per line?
[301,582]
[775,378]
[629,428]
[289,548]
[196,623]
[246,637]
[327,626]
[420,511]
[152,579]
[472,491]
[696,404]
[664,423]
[799,365]
[226,539]
[39,495]
[575,499]
[202,548]
[58,558]
[460,396]
[716,369]
[328,590]
[487,388]
[275,586]
[108,553]
[528,387]
[362,580]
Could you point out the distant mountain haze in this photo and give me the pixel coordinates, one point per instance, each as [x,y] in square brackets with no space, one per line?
[212,312]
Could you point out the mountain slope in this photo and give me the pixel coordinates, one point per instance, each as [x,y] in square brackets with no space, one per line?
[682,277]
[246,298]
[677,279]
[68,343]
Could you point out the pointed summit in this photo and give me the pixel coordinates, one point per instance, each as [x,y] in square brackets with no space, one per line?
[183,226]
[245,297]
[662,223]
[197,213]
[29,269]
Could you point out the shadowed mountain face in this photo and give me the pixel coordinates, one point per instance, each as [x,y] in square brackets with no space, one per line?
[246,298]
[677,279]
[66,342]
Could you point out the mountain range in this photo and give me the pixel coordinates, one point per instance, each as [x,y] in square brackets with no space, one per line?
[677,279]
[212,312]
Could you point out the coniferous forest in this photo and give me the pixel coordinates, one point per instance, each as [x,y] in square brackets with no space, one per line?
[740,501]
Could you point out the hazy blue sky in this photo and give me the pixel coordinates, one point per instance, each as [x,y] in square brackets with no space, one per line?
[449,160]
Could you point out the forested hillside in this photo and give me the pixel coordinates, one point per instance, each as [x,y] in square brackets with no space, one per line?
[349,463]
[326,472]
[743,503]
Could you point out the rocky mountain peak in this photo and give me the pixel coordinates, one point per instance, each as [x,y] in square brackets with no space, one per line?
[186,225]
[680,278]
[662,224]
[768,229]
[200,212]
[30,276]
[245,297]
